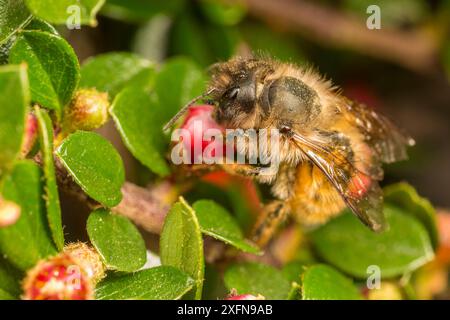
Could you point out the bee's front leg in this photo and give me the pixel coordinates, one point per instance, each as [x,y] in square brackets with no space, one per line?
[246,170]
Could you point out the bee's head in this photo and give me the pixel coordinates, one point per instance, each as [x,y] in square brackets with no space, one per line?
[236,83]
[233,89]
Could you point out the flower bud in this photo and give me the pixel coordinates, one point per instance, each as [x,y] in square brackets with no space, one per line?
[198,120]
[88,110]
[9,213]
[58,278]
[70,275]
[88,258]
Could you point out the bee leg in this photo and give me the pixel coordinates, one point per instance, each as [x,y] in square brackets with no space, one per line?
[242,169]
[273,214]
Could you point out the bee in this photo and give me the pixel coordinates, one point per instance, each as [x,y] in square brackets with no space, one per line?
[331,148]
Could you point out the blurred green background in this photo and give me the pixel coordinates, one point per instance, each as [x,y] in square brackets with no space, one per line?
[401,70]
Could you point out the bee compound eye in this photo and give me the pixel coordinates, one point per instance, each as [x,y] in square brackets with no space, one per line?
[232,93]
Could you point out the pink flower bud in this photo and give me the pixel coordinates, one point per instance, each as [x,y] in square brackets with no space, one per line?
[198,121]
[58,278]
[70,275]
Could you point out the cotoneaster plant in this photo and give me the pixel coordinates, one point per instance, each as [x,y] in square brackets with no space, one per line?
[50,109]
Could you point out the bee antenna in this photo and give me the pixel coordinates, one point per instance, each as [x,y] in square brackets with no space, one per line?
[185,108]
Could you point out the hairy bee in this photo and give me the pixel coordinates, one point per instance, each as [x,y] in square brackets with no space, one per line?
[331,147]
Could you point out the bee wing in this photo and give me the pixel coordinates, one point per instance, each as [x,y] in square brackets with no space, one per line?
[360,192]
[388,142]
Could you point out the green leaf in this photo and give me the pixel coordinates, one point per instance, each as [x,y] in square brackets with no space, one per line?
[14,15]
[53,67]
[322,282]
[233,197]
[117,240]
[61,11]
[137,115]
[188,38]
[179,81]
[111,72]
[282,46]
[406,198]
[217,222]
[29,239]
[159,283]
[141,11]
[228,14]
[4,50]
[95,165]
[345,243]
[293,270]
[32,24]
[223,41]
[295,292]
[4,295]
[41,25]
[10,279]
[51,188]
[256,278]
[14,101]
[181,243]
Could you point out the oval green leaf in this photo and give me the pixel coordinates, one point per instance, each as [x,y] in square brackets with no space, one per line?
[405,197]
[322,282]
[41,25]
[217,222]
[138,118]
[181,243]
[95,165]
[117,240]
[179,81]
[159,283]
[53,67]
[29,239]
[256,278]
[66,11]
[14,101]
[51,188]
[14,15]
[345,243]
[111,72]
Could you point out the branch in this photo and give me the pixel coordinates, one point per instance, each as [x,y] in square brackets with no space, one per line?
[411,49]
[146,207]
